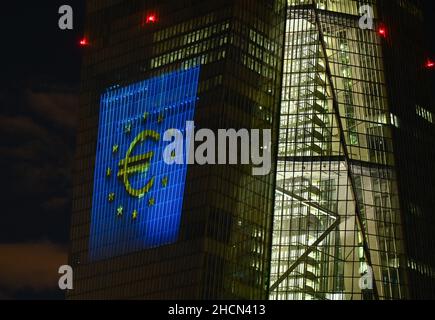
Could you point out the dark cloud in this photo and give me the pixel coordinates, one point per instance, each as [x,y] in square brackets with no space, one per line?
[19,126]
[30,266]
[59,109]
[37,145]
[36,153]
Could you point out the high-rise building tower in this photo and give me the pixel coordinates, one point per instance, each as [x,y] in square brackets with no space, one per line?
[345,212]
[342,227]
[410,79]
[141,229]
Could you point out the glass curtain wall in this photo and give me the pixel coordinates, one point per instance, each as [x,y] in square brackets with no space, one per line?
[337,219]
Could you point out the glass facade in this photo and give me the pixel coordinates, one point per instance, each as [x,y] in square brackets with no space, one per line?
[222,247]
[337,216]
[351,123]
[412,103]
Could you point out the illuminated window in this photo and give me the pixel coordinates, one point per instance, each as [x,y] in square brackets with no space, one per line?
[425,114]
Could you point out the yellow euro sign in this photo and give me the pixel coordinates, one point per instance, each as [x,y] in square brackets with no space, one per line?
[137,164]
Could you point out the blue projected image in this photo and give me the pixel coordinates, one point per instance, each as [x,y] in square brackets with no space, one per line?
[138,198]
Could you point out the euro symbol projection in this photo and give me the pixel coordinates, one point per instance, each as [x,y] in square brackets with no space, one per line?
[137,164]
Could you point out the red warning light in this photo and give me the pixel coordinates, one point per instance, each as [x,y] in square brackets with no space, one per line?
[83,42]
[382,31]
[151,18]
[430,64]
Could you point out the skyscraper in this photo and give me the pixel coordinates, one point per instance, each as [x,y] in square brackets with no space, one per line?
[336,212]
[410,78]
[335,218]
[141,229]
[344,212]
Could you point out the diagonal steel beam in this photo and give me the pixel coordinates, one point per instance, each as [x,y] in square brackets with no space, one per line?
[307,203]
[345,151]
[310,249]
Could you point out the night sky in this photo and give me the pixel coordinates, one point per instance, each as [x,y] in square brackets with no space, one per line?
[39,78]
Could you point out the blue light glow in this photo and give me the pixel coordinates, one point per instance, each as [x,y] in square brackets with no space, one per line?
[138,199]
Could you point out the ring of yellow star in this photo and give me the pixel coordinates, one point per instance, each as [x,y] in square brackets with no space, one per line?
[111,197]
[134,214]
[151,202]
[165,182]
[161,118]
[145,116]
[120,211]
[127,128]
